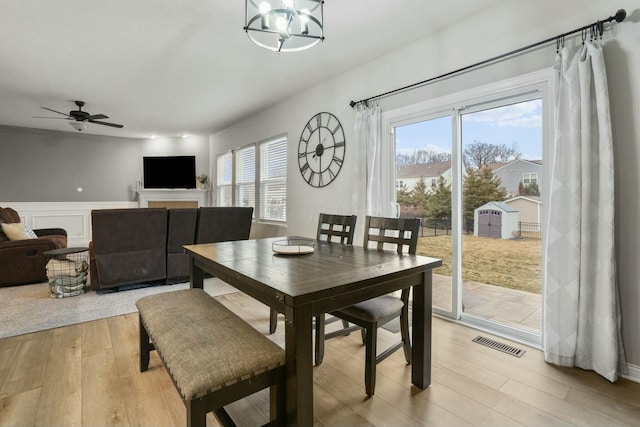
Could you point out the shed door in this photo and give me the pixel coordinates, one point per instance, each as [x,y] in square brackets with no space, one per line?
[490,223]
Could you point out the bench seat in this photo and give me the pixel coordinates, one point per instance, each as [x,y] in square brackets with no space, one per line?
[212,355]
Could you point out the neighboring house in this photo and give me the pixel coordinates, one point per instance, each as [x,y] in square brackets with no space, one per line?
[529,207]
[495,219]
[513,173]
[408,176]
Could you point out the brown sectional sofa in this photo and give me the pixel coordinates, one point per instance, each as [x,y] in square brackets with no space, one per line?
[144,245]
[23,261]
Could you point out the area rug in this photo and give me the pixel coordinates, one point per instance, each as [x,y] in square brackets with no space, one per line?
[29,308]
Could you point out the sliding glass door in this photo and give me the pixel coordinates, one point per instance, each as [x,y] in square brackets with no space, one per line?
[502,215]
[474,172]
[423,189]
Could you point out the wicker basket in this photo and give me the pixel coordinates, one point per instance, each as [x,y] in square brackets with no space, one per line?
[67,274]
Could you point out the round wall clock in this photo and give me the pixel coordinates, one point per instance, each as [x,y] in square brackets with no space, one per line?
[321,150]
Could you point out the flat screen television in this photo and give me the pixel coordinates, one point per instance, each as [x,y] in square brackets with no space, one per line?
[169,172]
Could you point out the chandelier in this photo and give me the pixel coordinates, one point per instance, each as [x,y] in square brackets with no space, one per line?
[284,25]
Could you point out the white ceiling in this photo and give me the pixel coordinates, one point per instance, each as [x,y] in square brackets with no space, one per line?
[172,67]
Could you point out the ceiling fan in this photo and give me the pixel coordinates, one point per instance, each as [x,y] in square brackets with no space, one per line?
[79,119]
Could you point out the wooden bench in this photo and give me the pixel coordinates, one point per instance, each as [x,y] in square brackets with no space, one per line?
[213,356]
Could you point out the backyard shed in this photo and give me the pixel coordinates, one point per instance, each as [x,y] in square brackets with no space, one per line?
[495,219]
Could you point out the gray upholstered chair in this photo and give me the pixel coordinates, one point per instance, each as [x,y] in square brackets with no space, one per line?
[331,228]
[401,233]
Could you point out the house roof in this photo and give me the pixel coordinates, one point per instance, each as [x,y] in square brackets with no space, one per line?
[425,170]
[500,205]
[496,166]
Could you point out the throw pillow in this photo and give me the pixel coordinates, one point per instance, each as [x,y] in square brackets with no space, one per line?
[15,231]
[30,232]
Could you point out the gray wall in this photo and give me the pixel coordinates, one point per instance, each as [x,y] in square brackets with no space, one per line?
[49,166]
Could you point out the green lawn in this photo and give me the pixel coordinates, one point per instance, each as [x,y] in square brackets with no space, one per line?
[515,264]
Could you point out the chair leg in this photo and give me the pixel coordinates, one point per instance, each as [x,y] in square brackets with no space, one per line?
[145,346]
[319,353]
[370,359]
[196,413]
[273,321]
[404,331]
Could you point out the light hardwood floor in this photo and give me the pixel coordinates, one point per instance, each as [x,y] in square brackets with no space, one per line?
[87,375]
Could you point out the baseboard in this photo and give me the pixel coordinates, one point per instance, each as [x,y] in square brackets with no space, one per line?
[634,373]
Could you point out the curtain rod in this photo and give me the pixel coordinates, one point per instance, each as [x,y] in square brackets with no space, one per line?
[596,26]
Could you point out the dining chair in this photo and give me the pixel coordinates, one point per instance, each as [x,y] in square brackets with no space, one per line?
[383,233]
[331,228]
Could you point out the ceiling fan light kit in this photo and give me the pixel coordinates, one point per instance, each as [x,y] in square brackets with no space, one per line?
[284,25]
[79,126]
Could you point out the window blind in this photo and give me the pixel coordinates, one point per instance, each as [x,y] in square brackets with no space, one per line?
[273,180]
[224,180]
[246,177]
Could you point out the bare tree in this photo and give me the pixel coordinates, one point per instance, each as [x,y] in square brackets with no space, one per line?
[481,154]
[420,157]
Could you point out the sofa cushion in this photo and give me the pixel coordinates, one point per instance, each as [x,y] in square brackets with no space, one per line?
[15,231]
[29,231]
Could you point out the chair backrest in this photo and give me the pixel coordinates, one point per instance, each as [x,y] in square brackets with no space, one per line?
[401,232]
[336,226]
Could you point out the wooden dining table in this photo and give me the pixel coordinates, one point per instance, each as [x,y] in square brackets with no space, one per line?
[302,286]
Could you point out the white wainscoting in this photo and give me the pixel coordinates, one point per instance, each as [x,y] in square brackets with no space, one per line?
[74,217]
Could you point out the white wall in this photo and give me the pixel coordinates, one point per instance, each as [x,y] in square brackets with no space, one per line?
[513,24]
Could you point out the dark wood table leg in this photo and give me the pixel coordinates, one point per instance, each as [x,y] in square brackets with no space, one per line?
[299,362]
[196,274]
[421,339]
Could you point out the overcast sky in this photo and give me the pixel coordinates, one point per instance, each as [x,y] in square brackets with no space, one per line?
[518,123]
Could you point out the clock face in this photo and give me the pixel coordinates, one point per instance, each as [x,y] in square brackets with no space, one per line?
[321,150]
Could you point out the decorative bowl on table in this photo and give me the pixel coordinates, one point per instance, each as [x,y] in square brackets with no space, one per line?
[293,246]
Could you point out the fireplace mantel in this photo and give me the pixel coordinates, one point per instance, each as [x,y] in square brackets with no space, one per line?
[199,196]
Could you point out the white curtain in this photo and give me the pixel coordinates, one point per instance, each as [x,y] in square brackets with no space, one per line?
[374,173]
[582,310]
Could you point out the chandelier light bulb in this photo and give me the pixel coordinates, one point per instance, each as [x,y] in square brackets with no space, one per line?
[304,19]
[288,4]
[283,26]
[264,7]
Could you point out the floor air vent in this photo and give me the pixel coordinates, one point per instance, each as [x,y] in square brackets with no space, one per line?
[505,348]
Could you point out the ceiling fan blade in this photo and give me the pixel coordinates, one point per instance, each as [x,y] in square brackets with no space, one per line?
[64,114]
[57,118]
[105,124]
[98,117]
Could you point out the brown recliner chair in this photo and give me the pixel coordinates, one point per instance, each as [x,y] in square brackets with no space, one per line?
[23,261]
[128,246]
[180,231]
[222,224]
